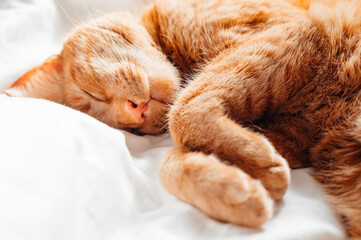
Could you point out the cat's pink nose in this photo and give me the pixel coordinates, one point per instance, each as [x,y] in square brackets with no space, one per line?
[137,110]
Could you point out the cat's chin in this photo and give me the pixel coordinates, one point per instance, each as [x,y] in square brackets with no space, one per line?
[146,131]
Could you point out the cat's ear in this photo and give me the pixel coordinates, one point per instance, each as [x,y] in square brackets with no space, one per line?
[43,81]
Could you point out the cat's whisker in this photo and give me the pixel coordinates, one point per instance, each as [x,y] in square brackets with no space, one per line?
[94,49]
[89,9]
[74,22]
[102,34]
[116,47]
[71,20]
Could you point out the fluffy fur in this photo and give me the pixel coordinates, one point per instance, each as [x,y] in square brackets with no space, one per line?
[264,81]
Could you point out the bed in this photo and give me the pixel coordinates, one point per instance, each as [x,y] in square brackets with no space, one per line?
[65,175]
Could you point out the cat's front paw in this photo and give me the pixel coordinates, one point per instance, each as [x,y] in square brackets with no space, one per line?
[223,192]
[241,200]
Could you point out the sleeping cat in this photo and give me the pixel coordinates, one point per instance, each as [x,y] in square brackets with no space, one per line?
[244,84]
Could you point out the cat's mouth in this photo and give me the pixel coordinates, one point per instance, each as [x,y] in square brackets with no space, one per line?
[145,113]
[154,98]
[154,118]
[157,94]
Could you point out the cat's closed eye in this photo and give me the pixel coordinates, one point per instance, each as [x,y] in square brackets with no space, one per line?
[97,98]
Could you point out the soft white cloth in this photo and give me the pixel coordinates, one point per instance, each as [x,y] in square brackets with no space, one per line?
[65,175]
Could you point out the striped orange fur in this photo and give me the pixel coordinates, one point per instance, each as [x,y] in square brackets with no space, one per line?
[248,87]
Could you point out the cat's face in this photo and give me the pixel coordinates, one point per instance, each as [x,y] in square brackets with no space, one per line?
[114,72]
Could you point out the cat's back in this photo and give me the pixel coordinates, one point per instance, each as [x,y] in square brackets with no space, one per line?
[191,32]
[331,95]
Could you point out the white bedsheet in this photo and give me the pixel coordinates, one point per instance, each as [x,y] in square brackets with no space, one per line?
[64,175]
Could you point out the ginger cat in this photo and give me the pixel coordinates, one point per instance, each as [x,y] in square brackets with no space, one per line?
[245,84]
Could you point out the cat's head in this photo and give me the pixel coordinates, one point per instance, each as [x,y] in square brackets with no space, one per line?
[113,71]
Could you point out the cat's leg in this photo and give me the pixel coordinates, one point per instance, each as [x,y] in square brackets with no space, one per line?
[221,191]
[337,160]
[207,128]
[200,120]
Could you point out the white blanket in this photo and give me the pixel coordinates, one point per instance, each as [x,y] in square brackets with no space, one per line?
[65,175]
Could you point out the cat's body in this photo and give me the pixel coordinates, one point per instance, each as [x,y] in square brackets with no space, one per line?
[292,75]
[290,72]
